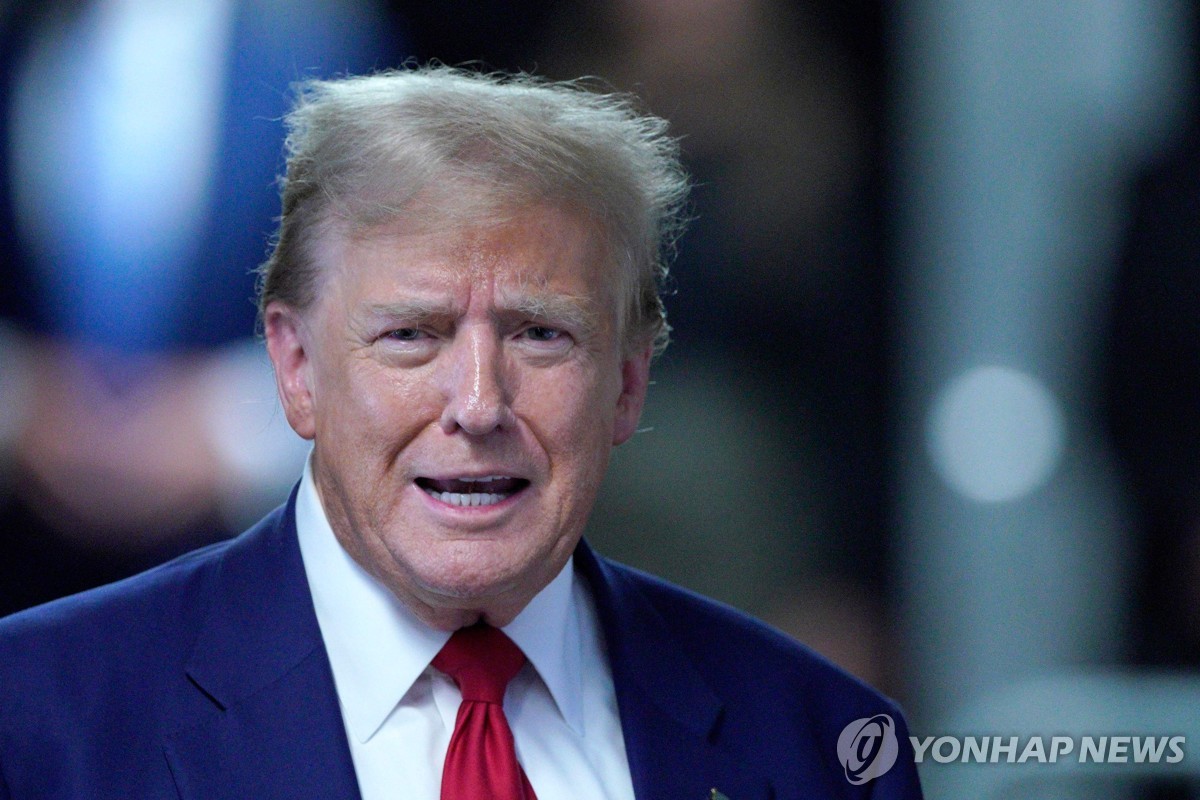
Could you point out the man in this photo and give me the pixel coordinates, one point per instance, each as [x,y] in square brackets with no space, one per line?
[461,308]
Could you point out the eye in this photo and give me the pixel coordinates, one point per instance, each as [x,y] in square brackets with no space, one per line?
[541,333]
[404,334]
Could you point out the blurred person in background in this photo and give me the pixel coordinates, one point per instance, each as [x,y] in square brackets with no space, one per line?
[1150,364]
[138,151]
[1153,393]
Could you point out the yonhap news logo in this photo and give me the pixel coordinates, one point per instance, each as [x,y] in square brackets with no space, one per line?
[868,748]
[1049,749]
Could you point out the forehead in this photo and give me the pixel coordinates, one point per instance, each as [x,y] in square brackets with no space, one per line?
[538,248]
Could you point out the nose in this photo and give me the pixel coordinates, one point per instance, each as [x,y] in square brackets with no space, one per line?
[475,384]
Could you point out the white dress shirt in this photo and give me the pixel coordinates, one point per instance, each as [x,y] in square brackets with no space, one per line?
[399,711]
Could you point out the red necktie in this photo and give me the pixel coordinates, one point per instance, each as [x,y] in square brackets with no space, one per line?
[481,763]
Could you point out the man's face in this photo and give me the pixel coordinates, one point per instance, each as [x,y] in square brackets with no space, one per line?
[463,389]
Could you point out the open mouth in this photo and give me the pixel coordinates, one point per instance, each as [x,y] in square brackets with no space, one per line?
[486,491]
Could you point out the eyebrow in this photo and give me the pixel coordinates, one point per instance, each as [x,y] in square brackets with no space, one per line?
[416,310]
[561,309]
[552,308]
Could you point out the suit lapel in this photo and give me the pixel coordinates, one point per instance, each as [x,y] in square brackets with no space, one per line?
[670,717]
[272,727]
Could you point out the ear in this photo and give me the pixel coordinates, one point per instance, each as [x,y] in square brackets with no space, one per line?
[635,378]
[288,344]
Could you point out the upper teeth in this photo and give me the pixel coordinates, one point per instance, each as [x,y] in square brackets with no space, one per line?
[472,499]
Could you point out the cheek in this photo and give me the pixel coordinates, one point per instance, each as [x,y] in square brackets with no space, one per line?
[368,402]
[575,416]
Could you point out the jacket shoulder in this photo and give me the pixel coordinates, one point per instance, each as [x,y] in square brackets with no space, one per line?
[744,654]
[206,676]
[105,669]
[111,620]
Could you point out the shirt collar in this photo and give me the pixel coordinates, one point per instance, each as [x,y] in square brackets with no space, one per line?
[548,632]
[378,648]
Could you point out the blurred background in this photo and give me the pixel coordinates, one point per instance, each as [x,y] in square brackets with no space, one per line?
[931,401]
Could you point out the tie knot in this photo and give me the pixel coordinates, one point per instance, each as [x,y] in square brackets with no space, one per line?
[481,660]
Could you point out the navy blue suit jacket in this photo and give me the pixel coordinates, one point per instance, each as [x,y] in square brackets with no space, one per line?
[207,678]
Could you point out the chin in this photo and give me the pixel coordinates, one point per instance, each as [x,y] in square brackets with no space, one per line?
[474,574]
